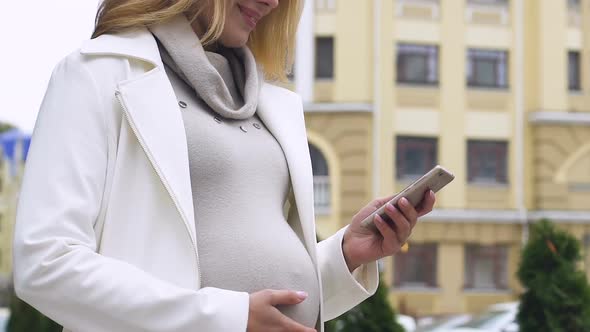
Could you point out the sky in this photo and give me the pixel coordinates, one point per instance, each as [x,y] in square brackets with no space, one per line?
[35,36]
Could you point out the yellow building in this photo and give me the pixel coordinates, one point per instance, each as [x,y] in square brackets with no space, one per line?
[497,91]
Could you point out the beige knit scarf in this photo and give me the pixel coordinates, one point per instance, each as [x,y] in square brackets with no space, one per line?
[182,51]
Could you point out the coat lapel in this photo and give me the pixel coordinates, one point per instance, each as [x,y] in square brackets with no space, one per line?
[154,115]
[151,108]
[282,113]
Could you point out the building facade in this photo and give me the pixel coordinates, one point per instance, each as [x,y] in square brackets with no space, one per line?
[497,91]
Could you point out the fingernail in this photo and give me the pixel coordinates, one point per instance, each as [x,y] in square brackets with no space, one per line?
[404,201]
[302,295]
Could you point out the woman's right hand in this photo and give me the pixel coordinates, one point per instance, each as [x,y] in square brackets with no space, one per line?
[263,315]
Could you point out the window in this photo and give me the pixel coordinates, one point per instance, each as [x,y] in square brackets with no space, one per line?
[417,64]
[416,267]
[486,267]
[321,181]
[574,13]
[573,4]
[325,5]
[573,70]
[324,61]
[486,68]
[414,156]
[486,161]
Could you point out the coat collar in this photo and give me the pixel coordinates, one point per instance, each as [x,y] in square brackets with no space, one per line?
[137,43]
[156,120]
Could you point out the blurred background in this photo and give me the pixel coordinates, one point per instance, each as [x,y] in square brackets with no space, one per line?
[496,91]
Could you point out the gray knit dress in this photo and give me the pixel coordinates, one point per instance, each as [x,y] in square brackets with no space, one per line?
[239,175]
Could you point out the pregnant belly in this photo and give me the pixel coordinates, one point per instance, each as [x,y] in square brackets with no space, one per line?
[250,260]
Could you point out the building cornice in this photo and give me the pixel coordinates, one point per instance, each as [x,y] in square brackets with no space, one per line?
[505,216]
[561,216]
[567,118]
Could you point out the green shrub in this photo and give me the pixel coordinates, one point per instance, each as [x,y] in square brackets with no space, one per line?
[24,318]
[558,296]
[373,315]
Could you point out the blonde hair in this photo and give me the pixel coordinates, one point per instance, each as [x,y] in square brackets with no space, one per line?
[272,41]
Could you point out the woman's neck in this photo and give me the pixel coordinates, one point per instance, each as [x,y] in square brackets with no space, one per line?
[200,27]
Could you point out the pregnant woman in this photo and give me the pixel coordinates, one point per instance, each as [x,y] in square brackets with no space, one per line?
[168,186]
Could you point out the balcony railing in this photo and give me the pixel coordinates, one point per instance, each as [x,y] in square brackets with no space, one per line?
[321,194]
[487,12]
[325,5]
[418,9]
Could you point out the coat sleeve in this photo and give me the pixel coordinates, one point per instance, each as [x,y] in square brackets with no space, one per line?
[56,265]
[343,290]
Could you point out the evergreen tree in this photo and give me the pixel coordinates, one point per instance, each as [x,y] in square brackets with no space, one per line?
[558,295]
[373,315]
[24,318]
[5,127]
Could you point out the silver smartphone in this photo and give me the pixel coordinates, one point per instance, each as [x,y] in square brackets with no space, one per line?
[434,180]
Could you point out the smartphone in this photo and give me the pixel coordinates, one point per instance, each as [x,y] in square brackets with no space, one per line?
[434,180]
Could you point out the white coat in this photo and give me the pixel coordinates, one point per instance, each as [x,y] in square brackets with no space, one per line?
[105,233]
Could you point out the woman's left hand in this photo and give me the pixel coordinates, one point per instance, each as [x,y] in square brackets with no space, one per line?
[361,245]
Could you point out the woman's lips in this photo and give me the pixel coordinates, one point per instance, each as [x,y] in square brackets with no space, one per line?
[250,17]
